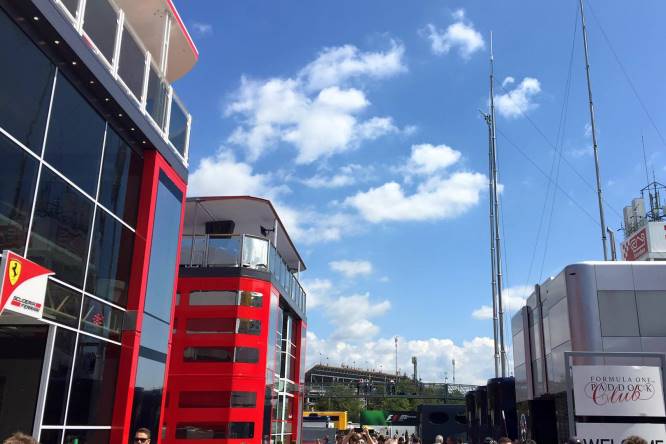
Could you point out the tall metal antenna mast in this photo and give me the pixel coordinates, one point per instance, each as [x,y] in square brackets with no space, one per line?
[396,356]
[602,219]
[498,248]
[491,213]
[495,244]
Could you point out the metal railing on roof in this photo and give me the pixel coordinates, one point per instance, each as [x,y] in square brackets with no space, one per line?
[246,251]
[102,24]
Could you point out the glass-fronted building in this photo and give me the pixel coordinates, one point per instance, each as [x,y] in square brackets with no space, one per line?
[93,167]
[236,369]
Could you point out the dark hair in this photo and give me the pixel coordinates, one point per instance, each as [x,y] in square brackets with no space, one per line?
[634,440]
[143,430]
[20,438]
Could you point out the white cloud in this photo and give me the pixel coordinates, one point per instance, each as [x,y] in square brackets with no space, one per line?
[316,112]
[459,35]
[222,175]
[427,158]
[278,110]
[513,299]
[588,130]
[336,65]
[317,290]
[347,175]
[308,226]
[434,199]
[508,81]
[520,100]
[202,29]
[351,269]
[474,358]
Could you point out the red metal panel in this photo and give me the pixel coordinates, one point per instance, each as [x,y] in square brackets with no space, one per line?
[153,163]
[217,376]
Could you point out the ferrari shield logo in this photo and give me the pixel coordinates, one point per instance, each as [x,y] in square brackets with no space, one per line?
[14,271]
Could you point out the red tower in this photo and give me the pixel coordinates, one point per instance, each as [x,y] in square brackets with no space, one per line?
[236,367]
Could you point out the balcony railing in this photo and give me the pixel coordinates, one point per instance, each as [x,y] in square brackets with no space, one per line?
[242,250]
[140,74]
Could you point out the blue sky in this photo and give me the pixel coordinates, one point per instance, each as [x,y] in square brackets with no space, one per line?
[360,121]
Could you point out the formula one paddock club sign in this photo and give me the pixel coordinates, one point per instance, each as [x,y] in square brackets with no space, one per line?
[23,285]
[622,401]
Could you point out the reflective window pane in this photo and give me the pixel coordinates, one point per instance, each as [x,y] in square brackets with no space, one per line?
[62,304]
[156,97]
[131,65]
[208,354]
[87,436]
[223,251]
[101,319]
[26,80]
[243,399]
[249,326]
[218,430]
[251,298]
[60,229]
[121,178]
[75,138]
[100,23]
[154,334]
[18,176]
[61,366]
[95,374]
[50,437]
[213,298]
[110,259]
[163,267]
[221,354]
[178,126]
[222,399]
[148,395]
[247,354]
[71,6]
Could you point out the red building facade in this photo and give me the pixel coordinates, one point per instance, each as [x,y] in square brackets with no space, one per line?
[236,363]
[94,147]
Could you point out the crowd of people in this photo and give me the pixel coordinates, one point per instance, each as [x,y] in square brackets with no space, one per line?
[365,436]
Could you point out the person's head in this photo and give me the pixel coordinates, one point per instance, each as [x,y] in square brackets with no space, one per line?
[634,440]
[416,440]
[20,438]
[142,436]
[439,439]
[489,440]
[504,440]
[401,440]
[450,440]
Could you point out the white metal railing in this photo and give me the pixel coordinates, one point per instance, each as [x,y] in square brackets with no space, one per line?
[241,250]
[140,74]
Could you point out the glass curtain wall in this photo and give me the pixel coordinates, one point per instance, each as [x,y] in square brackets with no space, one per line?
[284,391]
[68,191]
[157,309]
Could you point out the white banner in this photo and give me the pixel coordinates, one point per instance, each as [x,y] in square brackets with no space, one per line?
[596,433]
[617,390]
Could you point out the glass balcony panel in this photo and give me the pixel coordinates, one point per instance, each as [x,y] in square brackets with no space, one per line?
[224,251]
[178,126]
[71,6]
[131,64]
[255,253]
[156,98]
[100,21]
[185,250]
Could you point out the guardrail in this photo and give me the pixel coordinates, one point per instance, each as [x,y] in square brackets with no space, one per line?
[242,250]
[102,24]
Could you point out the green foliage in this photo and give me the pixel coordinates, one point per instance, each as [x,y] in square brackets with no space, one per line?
[352,406]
